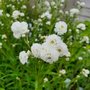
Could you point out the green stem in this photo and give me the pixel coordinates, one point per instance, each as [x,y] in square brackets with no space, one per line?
[36,85]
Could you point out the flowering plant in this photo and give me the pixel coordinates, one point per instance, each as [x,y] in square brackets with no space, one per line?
[43,46]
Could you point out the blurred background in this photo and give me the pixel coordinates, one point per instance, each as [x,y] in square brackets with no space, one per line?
[85,12]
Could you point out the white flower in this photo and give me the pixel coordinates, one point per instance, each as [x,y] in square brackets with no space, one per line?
[62,72]
[67,82]
[53,3]
[85,39]
[67,59]
[4,36]
[48,54]
[62,1]
[80,88]
[47,3]
[46,14]
[63,50]
[61,11]
[21,14]
[48,22]
[1,12]
[16,14]
[51,49]
[81,4]
[85,72]
[60,27]
[8,15]
[23,57]
[35,49]
[45,80]
[53,40]
[66,12]
[81,26]
[80,58]
[24,7]
[19,28]
[74,11]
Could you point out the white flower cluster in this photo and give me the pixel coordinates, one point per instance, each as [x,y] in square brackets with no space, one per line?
[45,79]
[51,49]
[23,56]
[47,4]
[81,4]
[60,27]
[62,72]
[16,14]
[46,14]
[74,11]
[19,29]
[85,72]
[81,26]
[85,39]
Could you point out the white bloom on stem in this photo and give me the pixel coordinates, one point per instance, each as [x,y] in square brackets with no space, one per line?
[45,80]
[19,28]
[53,3]
[61,12]
[23,57]
[67,59]
[28,53]
[24,7]
[1,12]
[85,72]
[62,1]
[62,72]
[47,3]
[46,14]
[80,88]
[81,4]
[74,11]
[16,14]
[60,27]
[81,26]
[80,58]
[22,14]
[85,39]
[4,36]
[35,49]
[7,14]
[48,22]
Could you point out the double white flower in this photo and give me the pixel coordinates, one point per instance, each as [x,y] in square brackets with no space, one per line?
[19,29]
[60,27]
[51,49]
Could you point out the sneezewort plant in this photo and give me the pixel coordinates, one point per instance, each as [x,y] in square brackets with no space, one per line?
[47,55]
